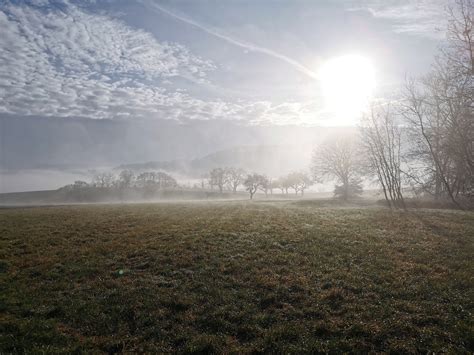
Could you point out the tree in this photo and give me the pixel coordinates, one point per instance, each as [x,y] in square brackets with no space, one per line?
[154,180]
[165,181]
[218,177]
[279,184]
[298,181]
[382,143]
[79,184]
[293,182]
[234,177]
[285,183]
[438,109]
[337,159]
[103,180]
[265,184]
[253,182]
[126,178]
[274,184]
[145,179]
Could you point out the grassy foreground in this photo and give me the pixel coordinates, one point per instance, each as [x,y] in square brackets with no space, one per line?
[235,277]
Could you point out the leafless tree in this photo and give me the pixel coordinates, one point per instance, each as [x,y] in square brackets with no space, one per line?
[253,182]
[265,184]
[105,179]
[234,177]
[218,177]
[126,178]
[337,158]
[279,184]
[156,180]
[298,181]
[439,111]
[381,137]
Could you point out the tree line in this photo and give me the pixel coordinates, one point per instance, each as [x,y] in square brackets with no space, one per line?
[127,179]
[232,178]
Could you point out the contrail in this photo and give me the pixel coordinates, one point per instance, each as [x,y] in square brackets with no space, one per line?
[249,46]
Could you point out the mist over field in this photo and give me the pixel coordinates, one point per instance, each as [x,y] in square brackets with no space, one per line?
[236,177]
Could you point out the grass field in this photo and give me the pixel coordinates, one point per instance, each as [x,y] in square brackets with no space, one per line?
[235,277]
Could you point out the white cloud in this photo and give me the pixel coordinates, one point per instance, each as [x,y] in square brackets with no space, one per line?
[421,17]
[75,63]
[70,63]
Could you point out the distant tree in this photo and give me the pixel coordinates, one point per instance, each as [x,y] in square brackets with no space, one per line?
[264,184]
[79,184]
[126,178]
[253,182]
[159,180]
[293,181]
[337,159]
[304,181]
[274,184]
[285,183]
[298,181]
[165,181]
[279,184]
[218,177]
[234,177]
[145,179]
[105,179]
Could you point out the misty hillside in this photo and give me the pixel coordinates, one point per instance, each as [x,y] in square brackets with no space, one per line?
[39,142]
[272,160]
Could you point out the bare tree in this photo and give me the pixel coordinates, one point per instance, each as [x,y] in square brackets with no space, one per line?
[165,181]
[304,182]
[105,179]
[337,159]
[279,184]
[234,177]
[382,143]
[292,180]
[439,111]
[253,182]
[156,180]
[218,177]
[298,181]
[126,178]
[265,184]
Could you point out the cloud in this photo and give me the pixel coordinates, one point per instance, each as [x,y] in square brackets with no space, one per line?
[237,42]
[420,18]
[66,62]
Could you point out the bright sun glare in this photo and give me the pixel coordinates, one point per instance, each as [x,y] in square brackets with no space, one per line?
[347,85]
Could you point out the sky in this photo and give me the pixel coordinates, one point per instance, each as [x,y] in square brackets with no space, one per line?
[239,60]
[249,63]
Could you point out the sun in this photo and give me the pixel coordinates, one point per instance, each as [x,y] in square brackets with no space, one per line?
[347,84]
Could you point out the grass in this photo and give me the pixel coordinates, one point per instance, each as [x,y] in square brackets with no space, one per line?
[235,277]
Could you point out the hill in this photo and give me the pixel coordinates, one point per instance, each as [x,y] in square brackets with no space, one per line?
[273,160]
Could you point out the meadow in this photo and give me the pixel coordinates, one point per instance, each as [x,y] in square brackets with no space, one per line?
[235,277]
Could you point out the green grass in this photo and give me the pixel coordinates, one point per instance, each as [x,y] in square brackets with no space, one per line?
[235,277]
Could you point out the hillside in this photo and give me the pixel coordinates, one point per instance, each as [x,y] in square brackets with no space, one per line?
[273,160]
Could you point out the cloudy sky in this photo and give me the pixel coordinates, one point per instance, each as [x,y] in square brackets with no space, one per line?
[184,60]
[105,82]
